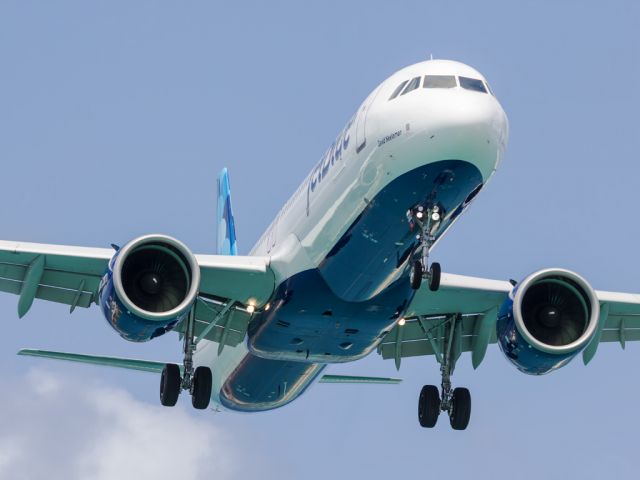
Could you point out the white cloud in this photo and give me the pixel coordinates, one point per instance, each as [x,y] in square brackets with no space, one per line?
[55,427]
[10,453]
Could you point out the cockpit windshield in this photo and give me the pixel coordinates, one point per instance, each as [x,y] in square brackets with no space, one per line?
[397,91]
[412,85]
[439,81]
[472,84]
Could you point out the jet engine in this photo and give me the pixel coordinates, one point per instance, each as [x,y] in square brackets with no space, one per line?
[150,286]
[547,320]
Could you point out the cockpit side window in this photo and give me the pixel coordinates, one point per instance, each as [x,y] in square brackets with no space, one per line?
[397,91]
[413,84]
[439,81]
[472,84]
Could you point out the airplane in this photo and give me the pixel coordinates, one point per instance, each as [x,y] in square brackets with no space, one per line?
[343,270]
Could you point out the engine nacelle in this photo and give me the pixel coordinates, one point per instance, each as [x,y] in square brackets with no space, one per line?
[150,286]
[547,320]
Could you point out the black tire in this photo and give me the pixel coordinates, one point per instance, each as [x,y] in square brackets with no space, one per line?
[201,388]
[416,275]
[434,277]
[429,406]
[461,412]
[170,383]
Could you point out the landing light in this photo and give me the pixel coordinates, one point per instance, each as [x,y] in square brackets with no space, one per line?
[435,216]
[401,322]
[419,214]
[251,308]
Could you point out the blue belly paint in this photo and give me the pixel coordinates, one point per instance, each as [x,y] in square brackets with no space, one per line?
[340,311]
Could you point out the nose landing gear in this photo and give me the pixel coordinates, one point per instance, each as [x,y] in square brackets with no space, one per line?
[456,402]
[198,382]
[420,269]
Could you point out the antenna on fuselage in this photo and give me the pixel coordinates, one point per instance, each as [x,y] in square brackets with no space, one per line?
[431,56]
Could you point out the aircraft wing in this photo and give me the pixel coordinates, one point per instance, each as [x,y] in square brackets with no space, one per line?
[71,275]
[474,302]
[56,273]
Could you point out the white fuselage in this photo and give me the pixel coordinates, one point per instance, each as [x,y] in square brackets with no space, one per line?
[384,140]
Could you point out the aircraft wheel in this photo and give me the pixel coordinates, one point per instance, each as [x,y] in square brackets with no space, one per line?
[459,415]
[434,276]
[429,406]
[170,385]
[201,388]
[416,275]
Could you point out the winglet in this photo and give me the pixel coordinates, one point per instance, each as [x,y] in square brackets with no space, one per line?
[226,244]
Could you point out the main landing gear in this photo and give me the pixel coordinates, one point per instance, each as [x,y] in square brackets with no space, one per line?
[198,382]
[420,269]
[456,402]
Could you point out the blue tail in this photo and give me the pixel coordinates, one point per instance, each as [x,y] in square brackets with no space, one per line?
[226,244]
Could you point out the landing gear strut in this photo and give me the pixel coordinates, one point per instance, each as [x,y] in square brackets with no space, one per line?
[420,269]
[456,402]
[198,382]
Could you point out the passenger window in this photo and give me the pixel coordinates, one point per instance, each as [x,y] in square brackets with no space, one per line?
[413,84]
[472,84]
[397,91]
[439,81]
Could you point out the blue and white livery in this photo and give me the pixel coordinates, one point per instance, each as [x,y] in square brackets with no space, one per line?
[343,270]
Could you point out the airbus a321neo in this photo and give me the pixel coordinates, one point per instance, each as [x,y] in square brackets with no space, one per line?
[343,270]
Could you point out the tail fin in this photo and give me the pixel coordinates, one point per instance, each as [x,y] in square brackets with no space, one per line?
[226,244]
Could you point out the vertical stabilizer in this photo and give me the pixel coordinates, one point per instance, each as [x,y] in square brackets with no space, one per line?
[226,241]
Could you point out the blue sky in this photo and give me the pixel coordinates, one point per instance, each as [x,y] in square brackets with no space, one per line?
[117,116]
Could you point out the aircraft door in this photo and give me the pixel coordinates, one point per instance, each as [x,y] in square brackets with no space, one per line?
[361,140]
[361,121]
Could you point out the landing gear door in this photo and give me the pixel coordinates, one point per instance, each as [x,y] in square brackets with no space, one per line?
[361,121]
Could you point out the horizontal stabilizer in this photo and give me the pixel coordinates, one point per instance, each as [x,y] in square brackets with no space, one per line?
[355,379]
[128,363]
